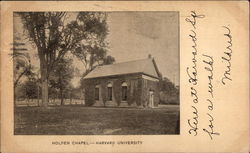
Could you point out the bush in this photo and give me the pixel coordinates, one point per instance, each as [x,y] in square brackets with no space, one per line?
[169,98]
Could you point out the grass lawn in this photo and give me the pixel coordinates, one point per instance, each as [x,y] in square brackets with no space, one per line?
[80,120]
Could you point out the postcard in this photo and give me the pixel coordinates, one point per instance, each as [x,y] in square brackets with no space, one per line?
[124,76]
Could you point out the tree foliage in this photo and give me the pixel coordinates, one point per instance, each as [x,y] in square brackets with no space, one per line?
[54,38]
[167,85]
[93,50]
[169,93]
[21,63]
[30,88]
[61,76]
[51,35]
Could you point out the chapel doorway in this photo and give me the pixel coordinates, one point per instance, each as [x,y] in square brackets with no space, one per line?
[151,99]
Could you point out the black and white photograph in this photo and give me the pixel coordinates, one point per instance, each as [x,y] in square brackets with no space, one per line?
[96,73]
[124,76]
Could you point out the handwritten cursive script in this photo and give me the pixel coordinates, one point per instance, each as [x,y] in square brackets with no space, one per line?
[193,123]
[227,56]
[194,18]
[209,67]
[210,131]
[192,73]
[209,62]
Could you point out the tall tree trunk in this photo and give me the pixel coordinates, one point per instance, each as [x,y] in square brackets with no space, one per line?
[45,93]
[44,79]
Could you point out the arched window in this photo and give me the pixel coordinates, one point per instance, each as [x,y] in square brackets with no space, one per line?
[124,91]
[97,92]
[109,91]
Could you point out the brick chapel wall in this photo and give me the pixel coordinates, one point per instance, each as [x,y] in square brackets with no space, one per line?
[134,82]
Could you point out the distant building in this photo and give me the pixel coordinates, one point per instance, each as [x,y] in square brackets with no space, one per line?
[128,84]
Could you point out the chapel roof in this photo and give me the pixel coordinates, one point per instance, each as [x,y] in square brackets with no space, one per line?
[145,66]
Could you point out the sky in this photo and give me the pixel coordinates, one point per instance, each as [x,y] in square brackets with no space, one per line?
[133,36]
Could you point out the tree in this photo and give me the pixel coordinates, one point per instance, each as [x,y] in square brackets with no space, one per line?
[108,60]
[21,61]
[53,93]
[93,51]
[30,88]
[61,76]
[169,93]
[21,64]
[167,85]
[53,37]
